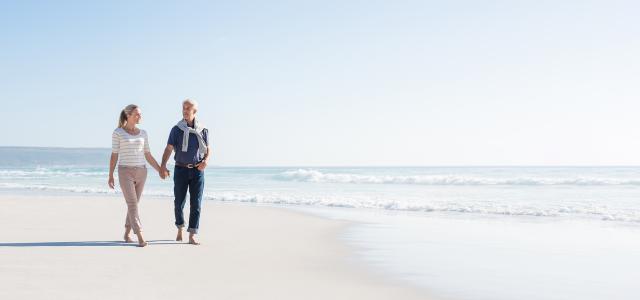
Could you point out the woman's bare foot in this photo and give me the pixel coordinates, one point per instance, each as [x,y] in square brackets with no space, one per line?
[127,237]
[192,239]
[141,241]
[179,236]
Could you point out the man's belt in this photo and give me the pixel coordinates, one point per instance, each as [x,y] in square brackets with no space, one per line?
[188,166]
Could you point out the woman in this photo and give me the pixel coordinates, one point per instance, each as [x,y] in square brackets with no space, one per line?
[131,145]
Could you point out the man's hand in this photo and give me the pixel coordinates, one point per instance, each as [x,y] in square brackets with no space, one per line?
[164,172]
[202,165]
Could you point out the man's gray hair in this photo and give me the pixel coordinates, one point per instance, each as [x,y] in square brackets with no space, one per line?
[193,103]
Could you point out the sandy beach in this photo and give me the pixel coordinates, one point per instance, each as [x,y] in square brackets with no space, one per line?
[69,247]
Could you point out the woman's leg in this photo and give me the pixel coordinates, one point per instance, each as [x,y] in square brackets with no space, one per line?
[127,178]
[127,229]
[125,181]
[127,236]
[140,179]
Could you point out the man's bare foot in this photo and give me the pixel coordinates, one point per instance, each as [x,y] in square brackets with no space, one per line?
[142,244]
[192,239]
[179,236]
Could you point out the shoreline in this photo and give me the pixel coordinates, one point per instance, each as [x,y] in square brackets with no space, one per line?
[248,252]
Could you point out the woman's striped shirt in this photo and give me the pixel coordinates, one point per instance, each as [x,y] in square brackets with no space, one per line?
[130,148]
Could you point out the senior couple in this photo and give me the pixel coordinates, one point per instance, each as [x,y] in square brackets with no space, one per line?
[189,139]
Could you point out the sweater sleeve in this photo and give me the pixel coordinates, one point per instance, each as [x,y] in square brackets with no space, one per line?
[115,142]
[146,143]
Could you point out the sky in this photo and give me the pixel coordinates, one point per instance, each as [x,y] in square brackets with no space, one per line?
[332,83]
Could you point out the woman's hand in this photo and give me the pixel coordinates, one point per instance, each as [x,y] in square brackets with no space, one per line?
[112,167]
[163,172]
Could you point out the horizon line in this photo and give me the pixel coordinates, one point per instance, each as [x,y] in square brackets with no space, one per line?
[361,166]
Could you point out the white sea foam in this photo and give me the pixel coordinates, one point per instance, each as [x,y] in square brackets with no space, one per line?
[310,175]
[481,208]
[50,173]
[73,189]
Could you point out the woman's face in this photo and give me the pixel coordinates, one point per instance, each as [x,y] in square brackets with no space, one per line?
[135,116]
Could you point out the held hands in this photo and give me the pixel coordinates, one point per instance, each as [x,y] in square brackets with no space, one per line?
[163,172]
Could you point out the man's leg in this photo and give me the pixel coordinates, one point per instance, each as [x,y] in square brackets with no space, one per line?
[180,186]
[196,188]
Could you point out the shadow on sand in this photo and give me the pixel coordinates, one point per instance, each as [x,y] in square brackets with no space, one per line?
[88,244]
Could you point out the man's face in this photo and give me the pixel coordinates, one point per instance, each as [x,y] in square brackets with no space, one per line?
[188,112]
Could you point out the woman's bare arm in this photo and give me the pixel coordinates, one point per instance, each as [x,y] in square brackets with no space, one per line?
[112,167]
[152,161]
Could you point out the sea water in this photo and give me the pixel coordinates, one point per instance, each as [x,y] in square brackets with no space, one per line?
[461,232]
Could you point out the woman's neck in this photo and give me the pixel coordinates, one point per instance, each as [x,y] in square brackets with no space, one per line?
[130,128]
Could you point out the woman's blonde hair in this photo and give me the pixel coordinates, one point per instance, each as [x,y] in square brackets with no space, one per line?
[122,121]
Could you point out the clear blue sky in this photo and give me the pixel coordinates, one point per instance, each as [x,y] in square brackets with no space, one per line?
[333,82]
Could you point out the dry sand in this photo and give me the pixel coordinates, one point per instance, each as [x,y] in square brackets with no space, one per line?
[69,247]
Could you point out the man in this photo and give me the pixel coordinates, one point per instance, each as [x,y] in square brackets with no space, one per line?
[190,140]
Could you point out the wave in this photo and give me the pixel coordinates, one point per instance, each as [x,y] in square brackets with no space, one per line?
[586,211]
[316,176]
[48,173]
[309,175]
[602,213]
[73,189]
[362,202]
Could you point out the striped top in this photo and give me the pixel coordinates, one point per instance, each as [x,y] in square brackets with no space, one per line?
[130,148]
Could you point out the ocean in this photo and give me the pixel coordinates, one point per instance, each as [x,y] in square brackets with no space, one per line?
[461,232]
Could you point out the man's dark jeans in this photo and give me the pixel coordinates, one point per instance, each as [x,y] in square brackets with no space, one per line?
[193,180]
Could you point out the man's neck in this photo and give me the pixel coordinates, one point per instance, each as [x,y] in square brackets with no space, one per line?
[190,122]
